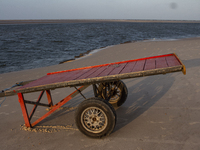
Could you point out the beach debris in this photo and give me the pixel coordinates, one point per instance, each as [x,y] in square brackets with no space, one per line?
[48,129]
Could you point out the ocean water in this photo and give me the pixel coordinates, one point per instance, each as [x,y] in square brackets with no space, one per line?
[38,45]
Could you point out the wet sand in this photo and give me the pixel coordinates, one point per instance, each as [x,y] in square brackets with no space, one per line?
[161,112]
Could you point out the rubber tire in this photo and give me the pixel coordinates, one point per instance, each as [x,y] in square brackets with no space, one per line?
[106,107]
[124,93]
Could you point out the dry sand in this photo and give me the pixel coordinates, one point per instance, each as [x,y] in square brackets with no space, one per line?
[161,112]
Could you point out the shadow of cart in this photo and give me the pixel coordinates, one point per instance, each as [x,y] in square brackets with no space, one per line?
[142,96]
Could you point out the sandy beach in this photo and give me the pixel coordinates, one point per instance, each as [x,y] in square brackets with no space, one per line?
[161,112]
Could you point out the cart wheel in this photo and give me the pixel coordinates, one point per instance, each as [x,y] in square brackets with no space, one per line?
[95,117]
[116,92]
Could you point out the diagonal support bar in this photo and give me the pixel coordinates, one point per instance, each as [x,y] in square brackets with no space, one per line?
[59,104]
[35,106]
[80,92]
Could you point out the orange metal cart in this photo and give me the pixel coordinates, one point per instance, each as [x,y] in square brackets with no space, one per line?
[95,117]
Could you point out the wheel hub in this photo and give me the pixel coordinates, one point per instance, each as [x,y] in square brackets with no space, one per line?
[94,119]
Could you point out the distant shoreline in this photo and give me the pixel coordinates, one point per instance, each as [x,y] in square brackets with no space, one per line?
[56,21]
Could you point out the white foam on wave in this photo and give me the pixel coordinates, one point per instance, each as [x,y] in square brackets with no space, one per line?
[156,39]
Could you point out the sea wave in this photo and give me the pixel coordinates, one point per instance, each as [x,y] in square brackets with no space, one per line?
[39,45]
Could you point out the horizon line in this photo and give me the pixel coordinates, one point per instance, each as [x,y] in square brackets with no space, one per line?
[48,21]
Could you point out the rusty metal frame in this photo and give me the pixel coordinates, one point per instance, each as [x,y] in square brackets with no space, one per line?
[84,83]
[28,117]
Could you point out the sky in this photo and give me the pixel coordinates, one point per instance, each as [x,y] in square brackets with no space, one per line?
[100,9]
